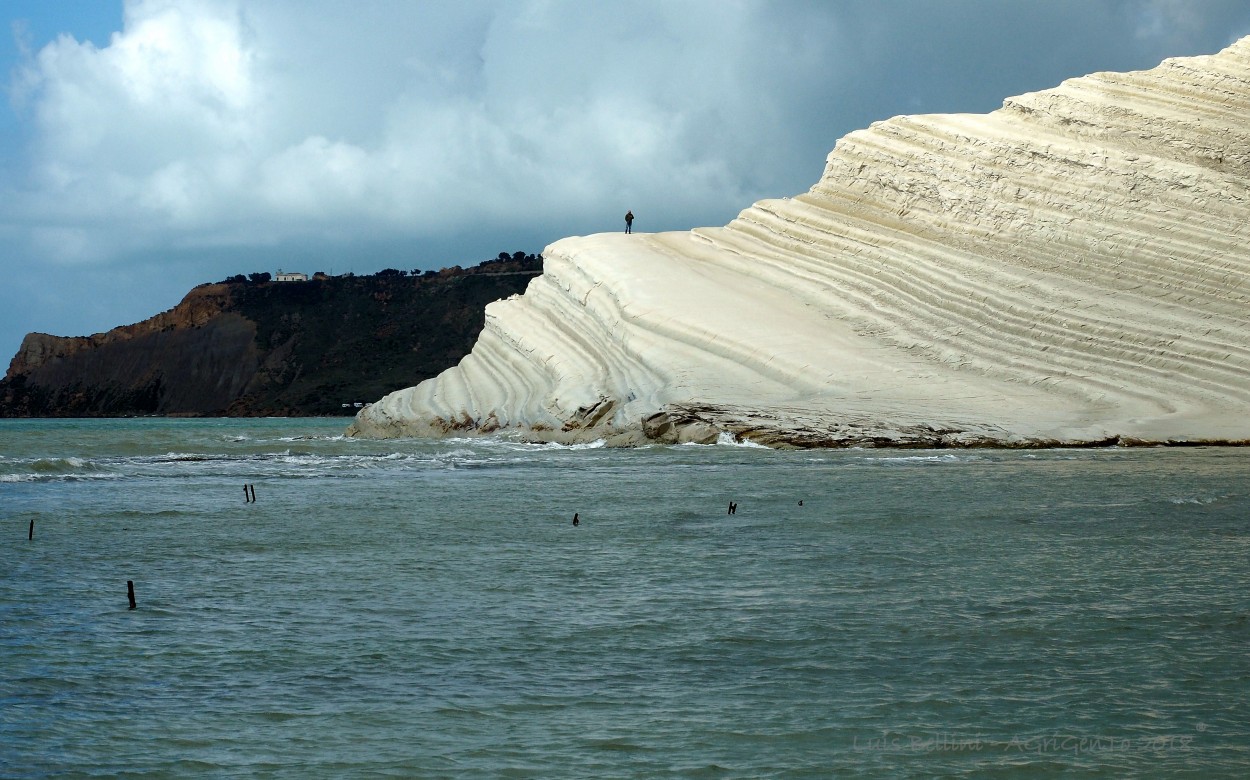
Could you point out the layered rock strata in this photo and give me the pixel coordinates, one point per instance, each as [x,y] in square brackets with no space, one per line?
[1069,269]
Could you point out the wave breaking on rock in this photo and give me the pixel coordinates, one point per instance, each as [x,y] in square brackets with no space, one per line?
[1071,269]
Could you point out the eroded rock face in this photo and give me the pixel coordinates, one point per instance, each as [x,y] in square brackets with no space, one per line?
[1070,269]
[38,350]
[242,348]
[194,358]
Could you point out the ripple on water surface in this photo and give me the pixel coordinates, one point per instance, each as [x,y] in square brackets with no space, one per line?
[427,608]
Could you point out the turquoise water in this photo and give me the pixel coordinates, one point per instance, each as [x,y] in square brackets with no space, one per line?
[427,609]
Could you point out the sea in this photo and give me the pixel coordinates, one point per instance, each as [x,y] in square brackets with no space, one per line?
[428,608]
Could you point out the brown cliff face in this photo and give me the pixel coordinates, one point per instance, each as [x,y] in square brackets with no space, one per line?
[196,309]
[40,348]
[199,306]
[264,348]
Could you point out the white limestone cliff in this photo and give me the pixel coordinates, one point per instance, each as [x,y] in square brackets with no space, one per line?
[1071,268]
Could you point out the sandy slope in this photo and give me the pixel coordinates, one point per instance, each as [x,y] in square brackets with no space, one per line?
[1070,268]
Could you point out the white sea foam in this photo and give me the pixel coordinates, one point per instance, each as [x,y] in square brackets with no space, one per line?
[1196,500]
[64,477]
[944,458]
[726,439]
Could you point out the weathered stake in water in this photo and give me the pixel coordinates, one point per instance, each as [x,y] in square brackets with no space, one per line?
[130,591]
[31,535]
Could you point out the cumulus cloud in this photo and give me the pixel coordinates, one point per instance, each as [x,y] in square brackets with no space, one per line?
[138,134]
[204,131]
[208,122]
[201,118]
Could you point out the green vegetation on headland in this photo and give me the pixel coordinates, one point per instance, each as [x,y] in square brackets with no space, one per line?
[249,346]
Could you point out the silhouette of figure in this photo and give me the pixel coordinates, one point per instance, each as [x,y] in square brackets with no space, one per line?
[629,221]
[576,522]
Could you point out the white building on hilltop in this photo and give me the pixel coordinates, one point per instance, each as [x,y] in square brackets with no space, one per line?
[289,277]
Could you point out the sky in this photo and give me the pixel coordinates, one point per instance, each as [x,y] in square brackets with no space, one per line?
[148,146]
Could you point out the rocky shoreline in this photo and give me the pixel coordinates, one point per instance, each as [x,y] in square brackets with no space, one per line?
[706,424]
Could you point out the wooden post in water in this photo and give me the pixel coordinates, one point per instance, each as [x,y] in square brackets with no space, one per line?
[130,591]
[31,536]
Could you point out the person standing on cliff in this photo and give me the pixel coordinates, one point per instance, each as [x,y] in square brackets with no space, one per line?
[629,221]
